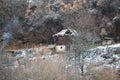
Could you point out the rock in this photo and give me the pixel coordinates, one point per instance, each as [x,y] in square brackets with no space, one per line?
[20,54]
[106,56]
[43,57]
[104,43]
[117,51]
[109,42]
[112,60]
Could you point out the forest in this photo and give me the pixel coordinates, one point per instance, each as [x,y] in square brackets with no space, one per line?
[59,39]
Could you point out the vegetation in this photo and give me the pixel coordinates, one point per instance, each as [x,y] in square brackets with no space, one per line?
[32,23]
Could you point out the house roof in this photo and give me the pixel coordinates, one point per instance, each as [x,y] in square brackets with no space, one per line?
[68,32]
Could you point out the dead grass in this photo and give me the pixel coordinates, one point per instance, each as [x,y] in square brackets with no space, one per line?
[43,70]
[15,45]
[39,69]
[104,74]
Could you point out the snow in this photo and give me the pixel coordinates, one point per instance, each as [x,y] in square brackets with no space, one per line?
[6,35]
[62,32]
[93,57]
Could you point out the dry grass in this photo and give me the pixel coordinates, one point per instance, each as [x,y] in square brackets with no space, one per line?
[104,74]
[15,45]
[43,70]
[39,69]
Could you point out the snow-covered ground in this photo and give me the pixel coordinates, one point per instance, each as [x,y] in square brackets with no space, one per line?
[104,56]
[99,57]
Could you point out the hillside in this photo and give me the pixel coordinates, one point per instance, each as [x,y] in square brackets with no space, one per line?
[59,39]
[95,21]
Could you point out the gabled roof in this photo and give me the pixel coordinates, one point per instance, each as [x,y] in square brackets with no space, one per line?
[68,32]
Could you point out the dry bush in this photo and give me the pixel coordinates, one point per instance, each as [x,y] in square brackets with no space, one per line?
[46,70]
[105,74]
[52,71]
[39,70]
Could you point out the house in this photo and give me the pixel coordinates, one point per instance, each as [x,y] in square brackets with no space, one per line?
[64,38]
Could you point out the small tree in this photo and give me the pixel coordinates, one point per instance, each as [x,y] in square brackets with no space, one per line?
[81,48]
